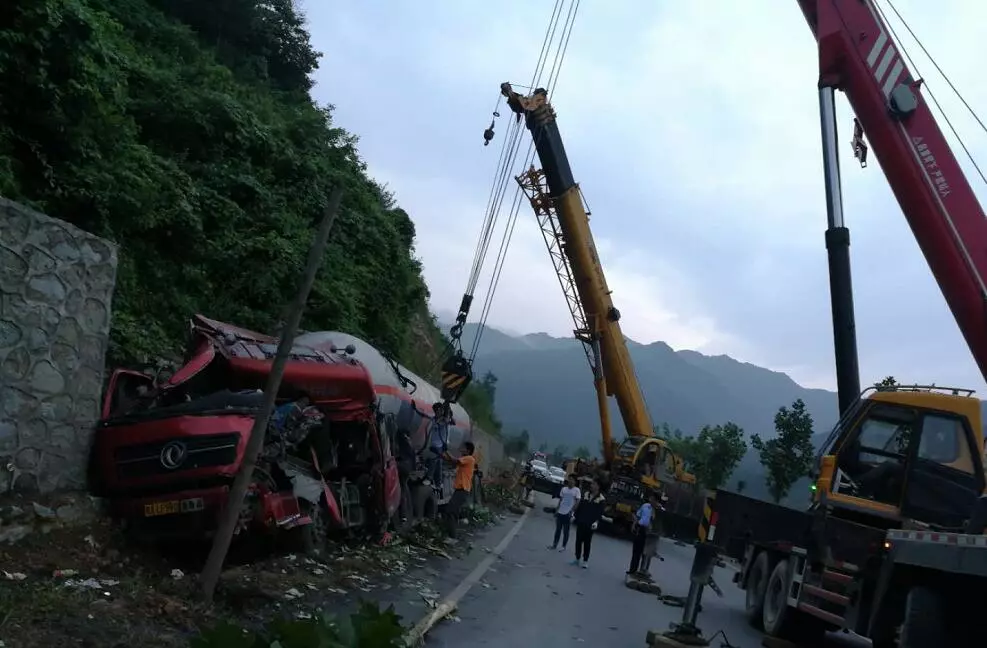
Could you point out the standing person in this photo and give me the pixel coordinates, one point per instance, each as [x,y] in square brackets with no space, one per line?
[438,442]
[652,537]
[587,518]
[642,520]
[569,498]
[462,485]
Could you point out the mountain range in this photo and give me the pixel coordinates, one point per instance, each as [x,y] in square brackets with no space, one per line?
[544,385]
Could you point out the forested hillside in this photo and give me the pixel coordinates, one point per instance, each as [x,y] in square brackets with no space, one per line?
[184,131]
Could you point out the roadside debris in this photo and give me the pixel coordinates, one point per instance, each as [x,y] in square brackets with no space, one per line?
[89,584]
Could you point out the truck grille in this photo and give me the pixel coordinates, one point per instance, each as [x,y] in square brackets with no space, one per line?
[176,455]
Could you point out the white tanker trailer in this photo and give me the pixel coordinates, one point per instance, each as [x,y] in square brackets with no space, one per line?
[405,399]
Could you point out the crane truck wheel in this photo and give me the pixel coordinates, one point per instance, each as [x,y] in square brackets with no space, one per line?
[786,622]
[924,619]
[423,502]
[757,584]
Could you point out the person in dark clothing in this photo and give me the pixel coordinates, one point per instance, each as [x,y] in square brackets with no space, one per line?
[587,518]
[639,529]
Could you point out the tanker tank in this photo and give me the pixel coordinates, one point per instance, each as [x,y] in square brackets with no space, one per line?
[392,395]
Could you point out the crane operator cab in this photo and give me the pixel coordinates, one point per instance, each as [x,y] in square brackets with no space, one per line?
[905,456]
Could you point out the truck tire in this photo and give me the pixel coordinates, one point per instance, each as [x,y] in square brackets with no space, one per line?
[310,539]
[757,585]
[786,622]
[924,619]
[423,503]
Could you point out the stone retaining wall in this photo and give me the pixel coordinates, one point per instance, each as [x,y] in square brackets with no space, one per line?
[56,287]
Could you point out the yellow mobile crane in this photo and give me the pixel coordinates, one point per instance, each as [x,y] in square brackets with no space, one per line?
[641,462]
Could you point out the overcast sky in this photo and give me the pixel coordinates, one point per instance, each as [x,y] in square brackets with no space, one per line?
[693,130]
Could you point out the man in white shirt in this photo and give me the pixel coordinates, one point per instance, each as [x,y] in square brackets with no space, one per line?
[569,498]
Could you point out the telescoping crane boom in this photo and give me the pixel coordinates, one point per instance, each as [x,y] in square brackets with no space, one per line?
[562,196]
[858,56]
[893,546]
[641,462]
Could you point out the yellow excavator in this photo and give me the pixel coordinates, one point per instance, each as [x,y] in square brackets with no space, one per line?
[642,463]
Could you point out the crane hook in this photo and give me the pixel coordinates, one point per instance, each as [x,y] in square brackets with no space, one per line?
[488,134]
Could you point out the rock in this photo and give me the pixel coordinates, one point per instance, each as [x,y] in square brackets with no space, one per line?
[69,513]
[14,533]
[44,512]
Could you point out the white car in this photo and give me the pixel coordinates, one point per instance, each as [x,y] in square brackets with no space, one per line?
[539,467]
[556,475]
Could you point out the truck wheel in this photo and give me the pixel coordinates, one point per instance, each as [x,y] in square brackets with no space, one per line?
[423,503]
[923,625]
[757,584]
[782,621]
[311,538]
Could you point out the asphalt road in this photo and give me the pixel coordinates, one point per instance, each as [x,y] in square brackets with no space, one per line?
[533,597]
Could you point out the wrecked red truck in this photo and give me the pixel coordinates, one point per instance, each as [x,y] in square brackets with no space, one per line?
[166,449]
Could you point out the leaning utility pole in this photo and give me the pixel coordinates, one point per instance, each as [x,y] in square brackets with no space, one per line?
[231,513]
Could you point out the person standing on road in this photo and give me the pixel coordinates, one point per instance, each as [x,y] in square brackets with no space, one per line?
[587,518]
[652,538]
[462,484]
[642,522]
[569,498]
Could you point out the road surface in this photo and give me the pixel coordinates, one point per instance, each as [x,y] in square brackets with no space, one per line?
[532,597]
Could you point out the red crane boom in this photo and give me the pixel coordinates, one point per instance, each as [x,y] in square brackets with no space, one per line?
[857,54]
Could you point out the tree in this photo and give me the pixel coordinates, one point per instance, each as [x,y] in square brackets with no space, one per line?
[517,445]
[680,444]
[479,399]
[559,454]
[543,448]
[716,451]
[788,457]
[489,385]
[582,452]
[741,486]
[888,382]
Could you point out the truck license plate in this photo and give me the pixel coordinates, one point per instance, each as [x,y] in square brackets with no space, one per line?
[162,508]
[171,507]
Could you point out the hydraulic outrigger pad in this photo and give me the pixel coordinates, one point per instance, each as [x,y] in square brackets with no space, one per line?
[457,372]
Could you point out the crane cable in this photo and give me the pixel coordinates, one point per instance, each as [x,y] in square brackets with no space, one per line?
[492,211]
[504,180]
[928,90]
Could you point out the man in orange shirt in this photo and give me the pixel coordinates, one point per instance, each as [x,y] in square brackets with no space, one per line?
[462,484]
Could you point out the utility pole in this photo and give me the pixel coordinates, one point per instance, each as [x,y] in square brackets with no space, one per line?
[231,513]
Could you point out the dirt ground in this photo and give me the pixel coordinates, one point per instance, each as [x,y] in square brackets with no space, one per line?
[82,584]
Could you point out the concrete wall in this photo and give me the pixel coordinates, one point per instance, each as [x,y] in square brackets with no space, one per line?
[488,447]
[56,286]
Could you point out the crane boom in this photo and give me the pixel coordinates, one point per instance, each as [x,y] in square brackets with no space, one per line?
[583,260]
[857,54]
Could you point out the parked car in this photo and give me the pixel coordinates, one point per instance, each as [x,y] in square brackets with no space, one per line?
[539,467]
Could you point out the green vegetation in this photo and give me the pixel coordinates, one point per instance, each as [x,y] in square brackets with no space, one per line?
[479,399]
[518,445]
[185,132]
[887,383]
[789,456]
[369,627]
[712,455]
